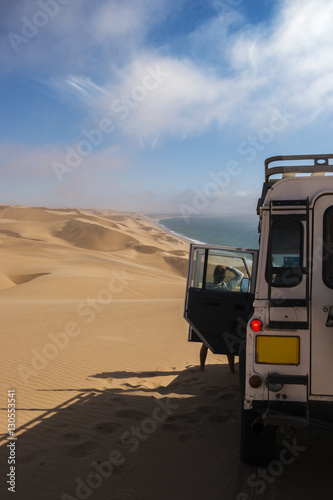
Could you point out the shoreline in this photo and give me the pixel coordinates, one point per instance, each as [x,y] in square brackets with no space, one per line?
[229,231]
[179,235]
[156,223]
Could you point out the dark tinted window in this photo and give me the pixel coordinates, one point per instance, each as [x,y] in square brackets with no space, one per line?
[284,265]
[328,248]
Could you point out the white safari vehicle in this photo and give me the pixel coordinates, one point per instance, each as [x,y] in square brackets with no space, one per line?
[279,316]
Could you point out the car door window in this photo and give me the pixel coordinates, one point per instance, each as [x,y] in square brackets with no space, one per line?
[221,270]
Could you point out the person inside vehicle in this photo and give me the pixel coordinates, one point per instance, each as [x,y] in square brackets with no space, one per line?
[220,283]
[219,278]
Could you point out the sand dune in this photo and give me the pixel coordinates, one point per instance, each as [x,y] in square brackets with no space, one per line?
[34,213]
[86,234]
[110,402]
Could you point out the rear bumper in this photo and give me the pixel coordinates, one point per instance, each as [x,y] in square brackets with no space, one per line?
[294,414]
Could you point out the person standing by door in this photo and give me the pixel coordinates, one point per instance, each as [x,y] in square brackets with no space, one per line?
[219,283]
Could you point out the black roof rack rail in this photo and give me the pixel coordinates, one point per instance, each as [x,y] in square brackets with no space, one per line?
[321,165]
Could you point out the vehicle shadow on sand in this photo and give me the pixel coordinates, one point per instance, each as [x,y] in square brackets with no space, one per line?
[148,438]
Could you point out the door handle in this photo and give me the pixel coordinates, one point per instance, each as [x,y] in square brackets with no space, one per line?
[329,321]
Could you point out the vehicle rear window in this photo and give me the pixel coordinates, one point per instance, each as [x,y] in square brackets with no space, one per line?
[284,263]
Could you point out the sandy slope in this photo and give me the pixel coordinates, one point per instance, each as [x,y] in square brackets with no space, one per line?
[111,404]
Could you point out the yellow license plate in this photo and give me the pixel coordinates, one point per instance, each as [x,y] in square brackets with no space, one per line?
[277,350]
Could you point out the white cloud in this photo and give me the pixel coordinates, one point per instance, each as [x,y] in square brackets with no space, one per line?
[77,36]
[176,100]
[156,96]
[292,63]
[288,64]
[124,19]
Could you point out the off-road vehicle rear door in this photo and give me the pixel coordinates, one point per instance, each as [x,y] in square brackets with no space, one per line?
[322,298]
[218,314]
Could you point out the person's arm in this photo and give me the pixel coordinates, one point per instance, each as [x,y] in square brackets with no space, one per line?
[231,284]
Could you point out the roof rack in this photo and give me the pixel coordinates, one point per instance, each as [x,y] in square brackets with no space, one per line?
[321,165]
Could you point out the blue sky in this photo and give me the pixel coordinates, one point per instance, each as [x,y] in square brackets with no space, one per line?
[159,106]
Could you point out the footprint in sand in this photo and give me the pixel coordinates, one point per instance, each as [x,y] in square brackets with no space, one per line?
[225,417]
[207,410]
[117,401]
[131,413]
[181,423]
[107,427]
[175,428]
[80,450]
[184,426]
[72,436]
[183,418]
[31,457]
[223,393]
[187,436]
[191,380]
[231,394]
[118,470]
[212,391]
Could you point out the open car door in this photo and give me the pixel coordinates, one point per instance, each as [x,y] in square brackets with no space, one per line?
[218,313]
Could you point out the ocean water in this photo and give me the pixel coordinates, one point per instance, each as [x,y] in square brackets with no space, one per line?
[229,231]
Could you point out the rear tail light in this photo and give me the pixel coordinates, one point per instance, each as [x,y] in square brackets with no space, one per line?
[256,325]
[255,381]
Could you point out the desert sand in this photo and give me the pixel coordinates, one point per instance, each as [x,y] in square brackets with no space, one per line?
[110,402]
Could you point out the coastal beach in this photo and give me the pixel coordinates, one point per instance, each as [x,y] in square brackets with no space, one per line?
[109,401]
[223,230]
